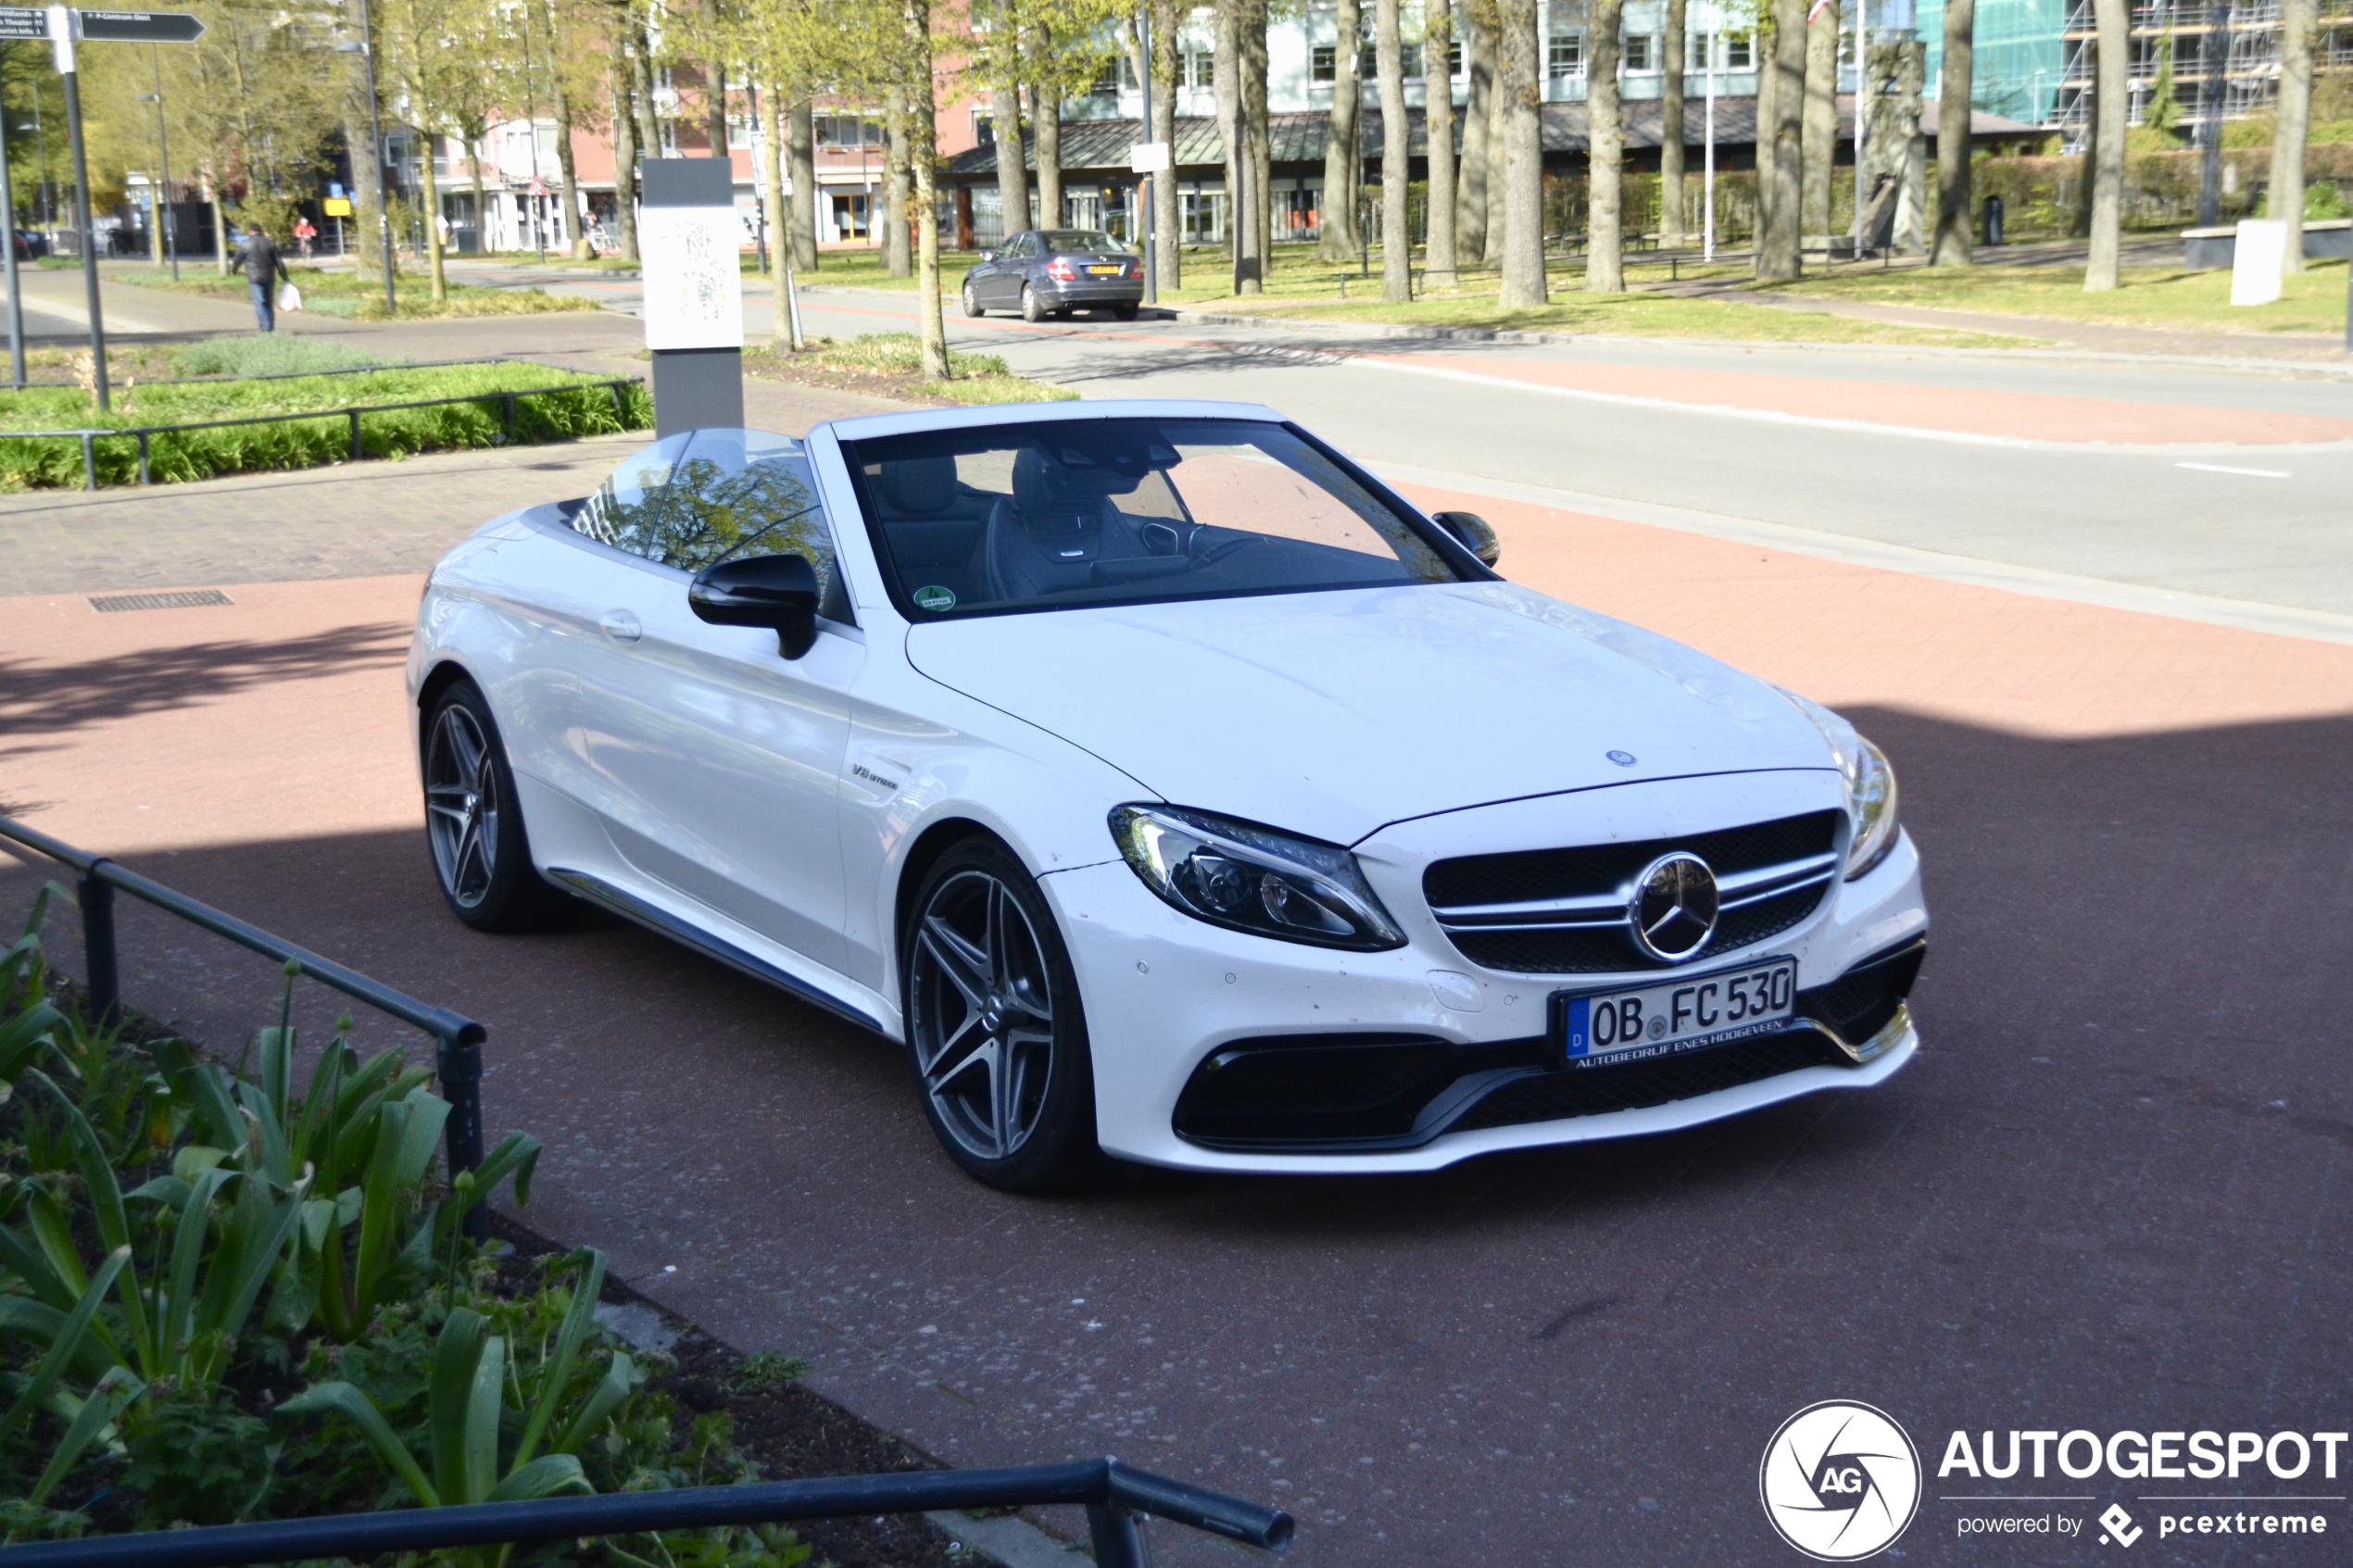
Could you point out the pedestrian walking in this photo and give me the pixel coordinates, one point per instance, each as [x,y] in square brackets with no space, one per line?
[264,267]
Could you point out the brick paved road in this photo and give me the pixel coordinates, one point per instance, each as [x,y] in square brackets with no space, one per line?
[2104,1198]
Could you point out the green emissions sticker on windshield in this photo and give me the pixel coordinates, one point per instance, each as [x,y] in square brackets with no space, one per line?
[935,598]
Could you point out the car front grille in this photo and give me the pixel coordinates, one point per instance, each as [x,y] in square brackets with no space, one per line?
[1563,912]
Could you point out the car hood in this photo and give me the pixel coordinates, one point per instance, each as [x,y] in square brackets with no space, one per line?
[1333,714]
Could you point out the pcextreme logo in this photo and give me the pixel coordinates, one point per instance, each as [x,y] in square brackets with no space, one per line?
[1840,1481]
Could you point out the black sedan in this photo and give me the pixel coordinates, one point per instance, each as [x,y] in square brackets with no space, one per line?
[1043,272]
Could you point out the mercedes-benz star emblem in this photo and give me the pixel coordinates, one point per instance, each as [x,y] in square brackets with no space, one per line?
[1672,913]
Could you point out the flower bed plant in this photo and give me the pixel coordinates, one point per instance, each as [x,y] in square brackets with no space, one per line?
[206,454]
[245,1293]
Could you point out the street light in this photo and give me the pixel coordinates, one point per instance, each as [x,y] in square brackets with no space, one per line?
[376,150]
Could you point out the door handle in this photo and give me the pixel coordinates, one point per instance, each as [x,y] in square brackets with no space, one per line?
[621,626]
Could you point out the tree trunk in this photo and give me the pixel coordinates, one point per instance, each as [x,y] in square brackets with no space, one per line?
[1258,142]
[1338,242]
[1396,155]
[1819,132]
[1049,122]
[801,151]
[1605,163]
[1779,189]
[641,73]
[473,171]
[575,222]
[1670,135]
[781,256]
[1226,89]
[220,234]
[1951,248]
[896,261]
[2298,21]
[367,180]
[2113,18]
[1168,236]
[714,77]
[1013,179]
[1479,64]
[1760,51]
[433,219]
[1522,139]
[922,147]
[1437,120]
[624,152]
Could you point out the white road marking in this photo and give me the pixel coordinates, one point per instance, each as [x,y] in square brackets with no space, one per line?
[2221,468]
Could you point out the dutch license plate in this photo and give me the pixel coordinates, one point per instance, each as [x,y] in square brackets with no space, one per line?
[1684,1014]
[1106,271]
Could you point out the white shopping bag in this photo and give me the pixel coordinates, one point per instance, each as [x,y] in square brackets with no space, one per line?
[289,297]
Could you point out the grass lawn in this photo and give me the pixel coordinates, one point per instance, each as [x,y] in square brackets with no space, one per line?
[1641,314]
[891,365]
[350,294]
[203,454]
[2165,297]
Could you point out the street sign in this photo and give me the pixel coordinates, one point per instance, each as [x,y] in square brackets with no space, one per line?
[139,26]
[23,22]
[1148,157]
[337,206]
[537,188]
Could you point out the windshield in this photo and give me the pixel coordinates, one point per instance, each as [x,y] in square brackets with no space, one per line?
[1054,516]
[1062,242]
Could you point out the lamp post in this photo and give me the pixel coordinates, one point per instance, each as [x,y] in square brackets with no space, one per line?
[364,48]
[41,143]
[165,226]
[15,298]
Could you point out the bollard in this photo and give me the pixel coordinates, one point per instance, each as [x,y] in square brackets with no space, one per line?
[143,458]
[458,1063]
[89,464]
[355,453]
[1111,1532]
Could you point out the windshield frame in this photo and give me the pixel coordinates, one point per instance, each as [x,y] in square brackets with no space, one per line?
[1453,551]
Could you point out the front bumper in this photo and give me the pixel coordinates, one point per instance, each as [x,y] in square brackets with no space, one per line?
[1428,1083]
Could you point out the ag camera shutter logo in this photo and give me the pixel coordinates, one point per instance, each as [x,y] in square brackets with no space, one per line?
[1840,1481]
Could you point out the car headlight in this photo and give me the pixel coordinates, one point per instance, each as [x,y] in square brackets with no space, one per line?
[1253,879]
[1870,785]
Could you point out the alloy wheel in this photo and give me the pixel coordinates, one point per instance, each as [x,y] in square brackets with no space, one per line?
[983,1021]
[461,805]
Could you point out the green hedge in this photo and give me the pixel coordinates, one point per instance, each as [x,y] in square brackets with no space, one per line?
[206,454]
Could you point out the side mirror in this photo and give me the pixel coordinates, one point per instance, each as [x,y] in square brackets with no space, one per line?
[1472,530]
[779,592]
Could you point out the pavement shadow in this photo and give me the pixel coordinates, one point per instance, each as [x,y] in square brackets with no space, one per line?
[39,698]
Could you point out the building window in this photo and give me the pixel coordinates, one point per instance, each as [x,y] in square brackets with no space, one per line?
[1564,58]
[1454,59]
[1203,216]
[1738,55]
[984,130]
[849,131]
[1323,64]
[1199,69]
[1639,54]
[1411,59]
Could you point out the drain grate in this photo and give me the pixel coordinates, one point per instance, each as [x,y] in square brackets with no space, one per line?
[195,598]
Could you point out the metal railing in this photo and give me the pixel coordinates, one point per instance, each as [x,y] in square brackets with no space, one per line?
[1112,1492]
[89,436]
[458,1040]
[368,369]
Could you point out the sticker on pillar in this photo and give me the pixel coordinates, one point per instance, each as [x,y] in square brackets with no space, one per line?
[934,598]
[694,282]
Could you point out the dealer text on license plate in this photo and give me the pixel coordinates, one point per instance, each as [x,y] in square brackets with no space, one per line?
[1676,1015]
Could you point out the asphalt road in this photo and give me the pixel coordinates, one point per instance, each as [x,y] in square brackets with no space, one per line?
[2103,1198]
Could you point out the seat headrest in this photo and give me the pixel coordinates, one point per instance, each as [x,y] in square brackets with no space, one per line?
[1043,484]
[918,486]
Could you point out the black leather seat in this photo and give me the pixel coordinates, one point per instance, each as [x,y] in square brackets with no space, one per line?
[1058,523]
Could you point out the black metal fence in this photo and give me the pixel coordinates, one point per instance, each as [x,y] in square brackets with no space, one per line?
[142,434]
[1112,1494]
[458,1040]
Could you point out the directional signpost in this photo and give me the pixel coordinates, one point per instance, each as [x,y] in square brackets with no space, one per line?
[63,26]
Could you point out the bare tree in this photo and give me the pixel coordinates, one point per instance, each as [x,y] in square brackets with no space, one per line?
[1438,123]
[1819,132]
[565,88]
[1670,130]
[1777,187]
[1522,281]
[2112,19]
[1478,101]
[2299,21]
[1951,246]
[1338,240]
[624,147]
[1396,155]
[1258,144]
[771,193]
[800,152]
[1606,155]
[897,263]
[1167,225]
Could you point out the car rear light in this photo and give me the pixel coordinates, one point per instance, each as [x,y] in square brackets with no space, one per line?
[1059,270]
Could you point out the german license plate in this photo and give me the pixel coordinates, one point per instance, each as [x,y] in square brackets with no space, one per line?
[1106,271]
[1684,1014]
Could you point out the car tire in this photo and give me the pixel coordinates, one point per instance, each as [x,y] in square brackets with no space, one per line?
[1127,312]
[473,822]
[1030,309]
[995,1030]
[972,301]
